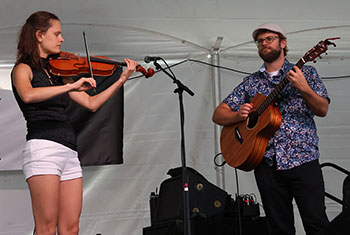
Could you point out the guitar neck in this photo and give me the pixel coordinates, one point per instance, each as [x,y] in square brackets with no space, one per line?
[276,92]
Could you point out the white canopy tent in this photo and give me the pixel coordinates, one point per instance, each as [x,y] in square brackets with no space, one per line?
[116,197]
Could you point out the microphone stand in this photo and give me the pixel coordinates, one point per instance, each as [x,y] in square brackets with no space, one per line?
[180,89]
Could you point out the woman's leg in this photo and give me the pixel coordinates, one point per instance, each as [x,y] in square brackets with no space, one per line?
[44,191]
[70,204]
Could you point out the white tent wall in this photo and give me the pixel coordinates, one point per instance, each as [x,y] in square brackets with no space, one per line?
[116,197]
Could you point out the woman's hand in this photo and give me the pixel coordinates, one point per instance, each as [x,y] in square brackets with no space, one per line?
[131,66]
[93,103]
[84,84]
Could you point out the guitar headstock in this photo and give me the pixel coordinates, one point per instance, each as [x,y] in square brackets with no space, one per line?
[317,50]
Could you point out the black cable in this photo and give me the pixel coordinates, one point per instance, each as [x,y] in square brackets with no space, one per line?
[217,164]
[34,231]
[336,77]
[220,67]
[168,67]
[233,70]
[237,194]
[247,73]
[238,204]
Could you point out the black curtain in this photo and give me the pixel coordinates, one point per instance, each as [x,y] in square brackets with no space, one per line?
[100,134]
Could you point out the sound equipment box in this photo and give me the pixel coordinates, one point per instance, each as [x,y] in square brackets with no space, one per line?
[206,199]
[217,225]
[212,210]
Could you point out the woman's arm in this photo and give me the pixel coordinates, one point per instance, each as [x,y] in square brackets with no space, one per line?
[22,76]
[93,103]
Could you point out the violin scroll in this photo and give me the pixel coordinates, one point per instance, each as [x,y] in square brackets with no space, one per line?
[149,73]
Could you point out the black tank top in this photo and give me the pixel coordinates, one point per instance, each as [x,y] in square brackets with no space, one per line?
[47,119]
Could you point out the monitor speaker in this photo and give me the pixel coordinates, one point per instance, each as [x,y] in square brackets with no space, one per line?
[206,199]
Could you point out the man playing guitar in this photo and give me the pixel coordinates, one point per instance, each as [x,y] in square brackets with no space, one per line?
[290,168]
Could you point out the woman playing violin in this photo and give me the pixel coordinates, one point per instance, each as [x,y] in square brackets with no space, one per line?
[50,162]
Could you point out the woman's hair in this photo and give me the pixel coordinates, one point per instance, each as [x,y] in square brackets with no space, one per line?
[27,49]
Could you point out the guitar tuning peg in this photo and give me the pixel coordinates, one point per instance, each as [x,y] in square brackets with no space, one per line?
[326,53]
[320,57]
[314,61]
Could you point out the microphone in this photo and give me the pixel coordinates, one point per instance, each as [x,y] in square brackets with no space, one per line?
[151,58]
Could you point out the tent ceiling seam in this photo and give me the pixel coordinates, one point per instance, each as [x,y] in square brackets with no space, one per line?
[183,41]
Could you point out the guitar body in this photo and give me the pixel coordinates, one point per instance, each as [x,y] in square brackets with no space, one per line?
[243,144]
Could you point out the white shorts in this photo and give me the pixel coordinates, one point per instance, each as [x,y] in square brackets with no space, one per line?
[45,157]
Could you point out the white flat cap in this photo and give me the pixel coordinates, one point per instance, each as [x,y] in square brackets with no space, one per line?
[273,27]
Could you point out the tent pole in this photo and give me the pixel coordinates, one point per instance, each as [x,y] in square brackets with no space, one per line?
[215,60]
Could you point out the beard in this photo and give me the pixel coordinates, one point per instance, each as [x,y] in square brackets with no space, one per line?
[271,56]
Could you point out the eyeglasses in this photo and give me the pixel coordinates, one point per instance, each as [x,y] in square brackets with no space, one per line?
[267,40]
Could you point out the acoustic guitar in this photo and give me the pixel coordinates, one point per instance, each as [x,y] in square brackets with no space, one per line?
[243,144]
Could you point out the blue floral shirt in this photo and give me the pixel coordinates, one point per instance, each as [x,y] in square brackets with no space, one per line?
[296,142]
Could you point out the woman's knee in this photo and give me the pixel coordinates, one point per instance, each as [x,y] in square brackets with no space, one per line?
[68,229]
[45,229]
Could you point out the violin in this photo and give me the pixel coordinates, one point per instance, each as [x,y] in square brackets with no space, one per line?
[69,65]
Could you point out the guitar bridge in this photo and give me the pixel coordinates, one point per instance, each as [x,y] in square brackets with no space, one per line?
[238,135]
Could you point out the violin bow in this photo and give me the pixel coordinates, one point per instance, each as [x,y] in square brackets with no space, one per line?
[88,56]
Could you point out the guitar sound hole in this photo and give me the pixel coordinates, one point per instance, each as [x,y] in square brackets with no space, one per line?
[253,118]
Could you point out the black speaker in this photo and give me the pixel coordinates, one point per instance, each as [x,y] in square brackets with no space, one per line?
[206,199]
